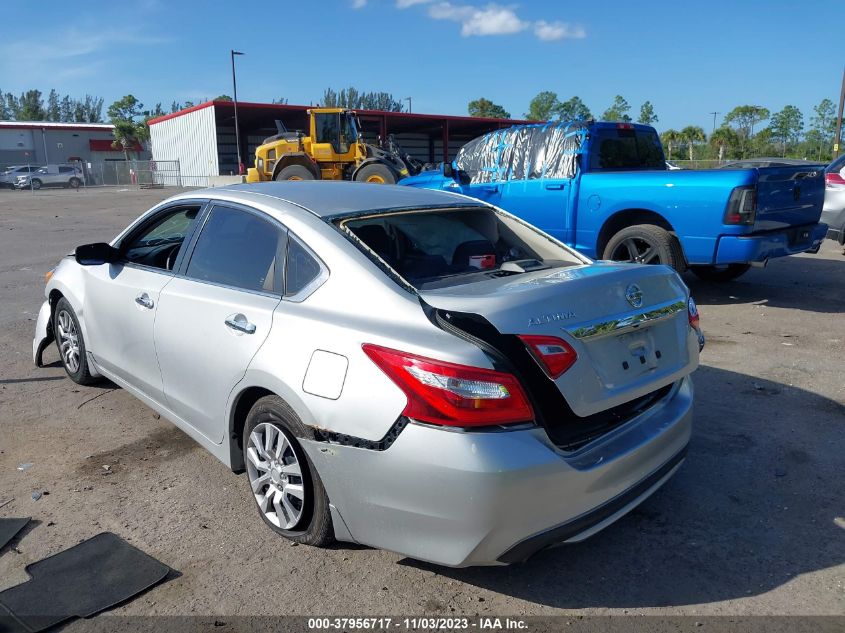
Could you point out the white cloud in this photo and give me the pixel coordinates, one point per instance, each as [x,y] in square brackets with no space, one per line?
[491,20]
[550,31]
[359,4]
[495,19]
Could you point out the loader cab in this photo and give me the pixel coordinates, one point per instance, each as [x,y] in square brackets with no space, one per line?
[334,133]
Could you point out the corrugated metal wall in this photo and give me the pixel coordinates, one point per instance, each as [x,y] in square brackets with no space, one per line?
[192,140]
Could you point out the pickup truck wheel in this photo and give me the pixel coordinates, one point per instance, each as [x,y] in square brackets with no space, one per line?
[728,272]
[295,172]
[645,244]
[376,173]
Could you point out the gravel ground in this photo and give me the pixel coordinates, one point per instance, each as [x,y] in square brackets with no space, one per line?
[752,524]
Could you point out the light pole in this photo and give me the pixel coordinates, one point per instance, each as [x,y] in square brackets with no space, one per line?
[408,99]
[714,119]
[235,101]
[838,138]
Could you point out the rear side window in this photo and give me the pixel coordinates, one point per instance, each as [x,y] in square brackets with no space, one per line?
[625,149]
[439,248]
[301,268]
[239,249]
[837,165]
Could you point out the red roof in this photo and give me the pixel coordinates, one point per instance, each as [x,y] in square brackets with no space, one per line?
[298,108]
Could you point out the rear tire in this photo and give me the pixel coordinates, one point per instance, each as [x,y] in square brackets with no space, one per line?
[74,183]
[294,172]
[71,345]
[282,472]
[728,272]
[376,173]
[646,244]
[35,183]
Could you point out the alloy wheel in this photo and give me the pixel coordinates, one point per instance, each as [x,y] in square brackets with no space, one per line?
[275,475]
[68,341]
[636,250]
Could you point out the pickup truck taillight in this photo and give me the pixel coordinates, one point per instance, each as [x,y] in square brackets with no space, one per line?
[450,394]
[834,178]
[742,205]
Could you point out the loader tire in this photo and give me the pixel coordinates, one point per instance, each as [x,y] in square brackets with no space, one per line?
[294,172]
[376,173]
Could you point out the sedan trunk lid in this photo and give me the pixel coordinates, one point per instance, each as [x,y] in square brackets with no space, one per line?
[627,323]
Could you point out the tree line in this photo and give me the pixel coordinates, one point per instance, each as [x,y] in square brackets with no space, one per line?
[785,134]
[32,106]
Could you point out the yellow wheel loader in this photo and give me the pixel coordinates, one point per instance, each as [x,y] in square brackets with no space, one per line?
[332,150]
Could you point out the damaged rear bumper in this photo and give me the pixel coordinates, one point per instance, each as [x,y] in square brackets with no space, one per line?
[497,497]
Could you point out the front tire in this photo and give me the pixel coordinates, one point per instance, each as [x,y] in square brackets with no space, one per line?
[288,491]
[71,345]
[376,173]
[728,272]
[645,244]
[294,172]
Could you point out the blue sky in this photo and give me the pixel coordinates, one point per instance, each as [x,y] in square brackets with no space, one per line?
[689,59]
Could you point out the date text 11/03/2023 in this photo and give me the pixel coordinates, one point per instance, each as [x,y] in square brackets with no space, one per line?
[417,623]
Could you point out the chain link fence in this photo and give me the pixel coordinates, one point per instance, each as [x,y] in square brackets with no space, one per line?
[144,174]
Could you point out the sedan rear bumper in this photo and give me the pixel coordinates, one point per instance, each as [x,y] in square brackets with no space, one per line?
[744,249]
[835,220]
[485,498]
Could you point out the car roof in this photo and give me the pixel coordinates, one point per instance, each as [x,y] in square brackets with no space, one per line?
[328,199]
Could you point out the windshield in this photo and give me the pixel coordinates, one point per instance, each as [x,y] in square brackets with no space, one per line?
[625,149]
[445,247]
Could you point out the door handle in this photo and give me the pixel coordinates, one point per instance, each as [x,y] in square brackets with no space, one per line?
[144,301]
[556,187]
[239,323]
[489,189]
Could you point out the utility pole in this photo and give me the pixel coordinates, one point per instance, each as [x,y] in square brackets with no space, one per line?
[714,119]
[235,101]
[408,99]
[838,137]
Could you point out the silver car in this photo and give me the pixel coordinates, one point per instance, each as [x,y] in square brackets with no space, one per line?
[407,369]
[51,176]
[833,213]
[9,175]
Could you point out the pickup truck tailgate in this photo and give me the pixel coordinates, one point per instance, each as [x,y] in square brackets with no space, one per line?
[789,196]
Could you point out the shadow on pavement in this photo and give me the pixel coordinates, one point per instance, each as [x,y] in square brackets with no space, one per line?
[752,508]
[802,283]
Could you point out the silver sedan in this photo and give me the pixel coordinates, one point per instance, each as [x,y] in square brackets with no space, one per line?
[402,368]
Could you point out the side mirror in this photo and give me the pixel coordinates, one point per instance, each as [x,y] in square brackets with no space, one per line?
[96,254]
[448,169]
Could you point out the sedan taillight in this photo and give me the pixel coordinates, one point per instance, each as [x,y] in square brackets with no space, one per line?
[450,394]
[834,179]
[554,354]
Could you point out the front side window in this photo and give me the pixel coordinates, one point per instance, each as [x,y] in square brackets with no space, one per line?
[158,244]
[239,249]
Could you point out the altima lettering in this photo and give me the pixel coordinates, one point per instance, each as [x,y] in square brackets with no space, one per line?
[550,318]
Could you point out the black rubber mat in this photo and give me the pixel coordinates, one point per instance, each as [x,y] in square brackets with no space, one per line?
[88,578]
[10,527]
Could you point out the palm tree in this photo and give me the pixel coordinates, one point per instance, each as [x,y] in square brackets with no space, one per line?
[693,134]
[670,138]
[723,138]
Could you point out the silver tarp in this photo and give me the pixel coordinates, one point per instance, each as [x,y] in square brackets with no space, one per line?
[546,150]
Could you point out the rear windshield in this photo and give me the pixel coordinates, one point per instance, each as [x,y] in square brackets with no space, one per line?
[446,247]
[625,150]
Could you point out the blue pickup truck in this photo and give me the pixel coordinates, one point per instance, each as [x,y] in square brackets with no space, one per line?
[604,189]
